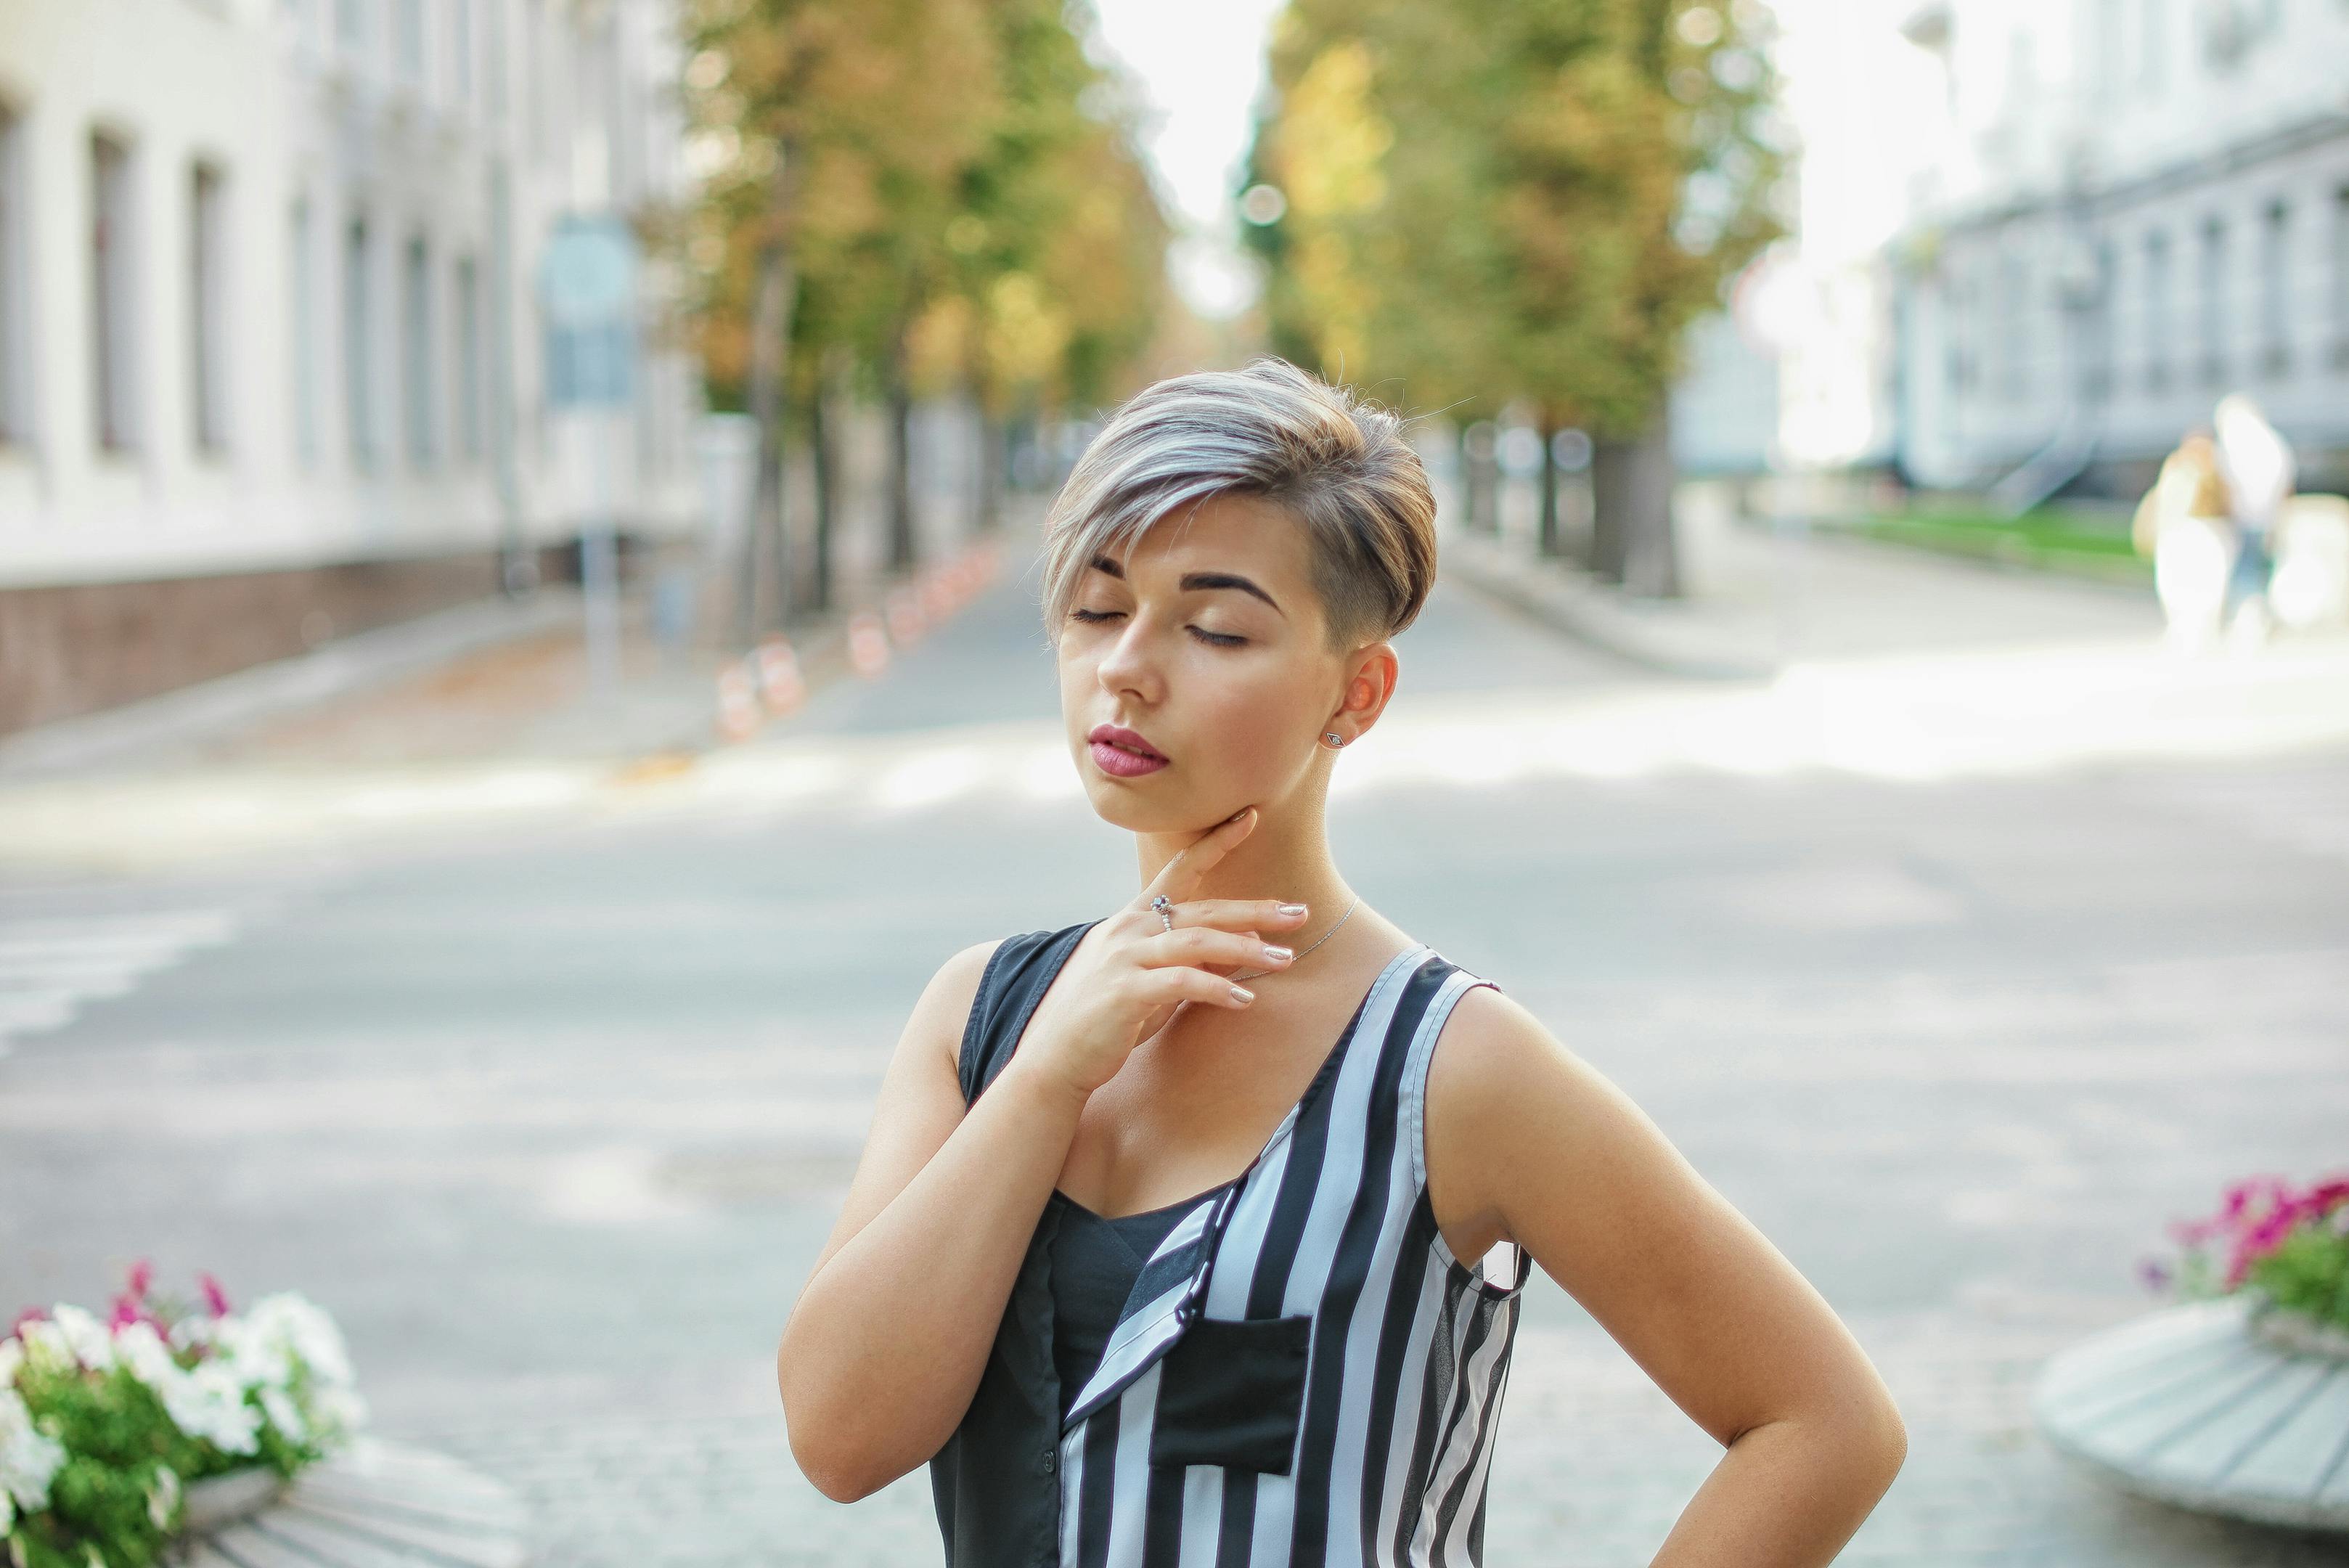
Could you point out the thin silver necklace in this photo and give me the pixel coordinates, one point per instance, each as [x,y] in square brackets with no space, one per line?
[1317,942]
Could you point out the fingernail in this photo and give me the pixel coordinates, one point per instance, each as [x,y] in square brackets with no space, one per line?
[1242,994]
[1292,909]
[1278,955]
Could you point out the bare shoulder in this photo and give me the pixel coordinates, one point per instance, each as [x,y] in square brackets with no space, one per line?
[1507,1099]
[945,1002]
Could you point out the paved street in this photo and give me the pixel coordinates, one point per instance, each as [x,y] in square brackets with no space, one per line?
[552,1108]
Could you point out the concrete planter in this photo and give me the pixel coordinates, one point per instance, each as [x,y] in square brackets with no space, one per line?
[375,1505]
[215,1502]
[2219,1407]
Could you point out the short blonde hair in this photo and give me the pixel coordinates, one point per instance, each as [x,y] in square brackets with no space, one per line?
[1336,463]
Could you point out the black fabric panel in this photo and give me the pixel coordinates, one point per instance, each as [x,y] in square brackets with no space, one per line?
[1018,972]
[1230,1392]
[996,1483]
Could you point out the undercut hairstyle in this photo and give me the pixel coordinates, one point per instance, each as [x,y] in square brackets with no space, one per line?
[1336,463]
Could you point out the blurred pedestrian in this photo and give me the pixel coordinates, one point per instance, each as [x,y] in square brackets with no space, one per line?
[2185,525]
[1047,1282]
[2257,465]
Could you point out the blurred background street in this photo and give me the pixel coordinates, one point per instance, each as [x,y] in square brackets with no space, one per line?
[519,656]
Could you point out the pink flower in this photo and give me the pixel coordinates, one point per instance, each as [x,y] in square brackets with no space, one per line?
[142,1274]
[215,1298]
[126,1310]
[30,1314]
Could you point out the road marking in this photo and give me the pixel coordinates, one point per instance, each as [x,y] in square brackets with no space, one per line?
[51,967]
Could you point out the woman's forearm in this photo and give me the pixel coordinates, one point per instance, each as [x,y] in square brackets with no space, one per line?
[886,1344]
[1787,1494]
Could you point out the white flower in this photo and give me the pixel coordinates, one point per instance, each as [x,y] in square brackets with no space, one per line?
[12,1356]
[259,1357]
[307,1331]
[8,1513]
[285,1415]
[30,1459]
[208,1404]
[47,1344]
[193,1331]
[93,1346]
[142,1349]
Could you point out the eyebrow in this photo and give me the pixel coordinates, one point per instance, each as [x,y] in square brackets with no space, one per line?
[1191,580]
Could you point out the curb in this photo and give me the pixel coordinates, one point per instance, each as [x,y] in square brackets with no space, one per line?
[1661,635]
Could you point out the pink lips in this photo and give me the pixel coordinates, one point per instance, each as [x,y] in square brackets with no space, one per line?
[1122,753]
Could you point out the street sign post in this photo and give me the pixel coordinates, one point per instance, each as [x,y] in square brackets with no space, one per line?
[587,301]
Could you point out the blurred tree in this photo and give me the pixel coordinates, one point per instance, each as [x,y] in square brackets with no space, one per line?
[1515,201]
[901,196]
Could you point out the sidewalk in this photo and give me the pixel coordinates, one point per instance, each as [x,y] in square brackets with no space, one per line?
[494,682]
[1759,601]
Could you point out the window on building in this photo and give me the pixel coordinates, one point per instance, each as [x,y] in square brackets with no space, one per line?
[2096,350]
[2275,289]
[208,307]
[301,311]
[468,361]
[416,350]
[358,341]
[2160,323]
[2214,301]
[2014,303]
[2341,276]
[16,355]
[407,20]
[113,368]
[460,52]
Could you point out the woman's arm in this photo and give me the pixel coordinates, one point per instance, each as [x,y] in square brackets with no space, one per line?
[885,1348]
[1529,1144]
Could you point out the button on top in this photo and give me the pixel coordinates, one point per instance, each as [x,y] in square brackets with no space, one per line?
[1051,1458]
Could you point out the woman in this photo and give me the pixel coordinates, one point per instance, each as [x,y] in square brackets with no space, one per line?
[1146,1267]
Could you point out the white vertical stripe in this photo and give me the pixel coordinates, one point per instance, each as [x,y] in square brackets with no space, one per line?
[1487,1421]
[1454,1457]
[1411,1387]
[1072,1493]
[1129,1504]
[1359,1392]
[1233,1268]
[1334,1186]
[1203,1514]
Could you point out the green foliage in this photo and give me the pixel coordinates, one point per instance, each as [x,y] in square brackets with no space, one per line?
[962,209]
[1512,199]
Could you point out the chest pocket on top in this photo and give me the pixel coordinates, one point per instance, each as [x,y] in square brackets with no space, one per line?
[1231,1392]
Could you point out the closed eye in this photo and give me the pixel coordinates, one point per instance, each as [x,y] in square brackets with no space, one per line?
[1212,639]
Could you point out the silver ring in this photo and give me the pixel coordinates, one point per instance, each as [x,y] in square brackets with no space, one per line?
[1166,908]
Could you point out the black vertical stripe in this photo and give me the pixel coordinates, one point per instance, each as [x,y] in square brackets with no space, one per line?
[1308,1143]
[1236,1537]
[1162,1516]
[1394,1349]
[1448,1506]
[1437,1416]
[1097,1489]
[1435,1396]
[1358,1240]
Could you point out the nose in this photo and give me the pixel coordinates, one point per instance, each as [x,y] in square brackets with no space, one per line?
[1129,665]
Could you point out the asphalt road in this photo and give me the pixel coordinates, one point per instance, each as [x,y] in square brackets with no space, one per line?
[553,1115]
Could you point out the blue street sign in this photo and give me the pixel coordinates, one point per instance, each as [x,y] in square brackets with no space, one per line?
[587,298]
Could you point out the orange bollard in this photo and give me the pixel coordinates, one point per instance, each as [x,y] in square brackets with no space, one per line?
[738,704]
[868,645]
[904,608]
[780,685]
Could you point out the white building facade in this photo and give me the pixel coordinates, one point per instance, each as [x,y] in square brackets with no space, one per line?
[270,351]
[2134,206]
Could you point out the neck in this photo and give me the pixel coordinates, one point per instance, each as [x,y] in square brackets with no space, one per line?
[1285,857]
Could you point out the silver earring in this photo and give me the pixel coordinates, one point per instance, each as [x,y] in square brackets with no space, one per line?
[1333,738]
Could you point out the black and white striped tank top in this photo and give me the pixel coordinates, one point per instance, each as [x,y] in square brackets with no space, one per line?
[1302,1373]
